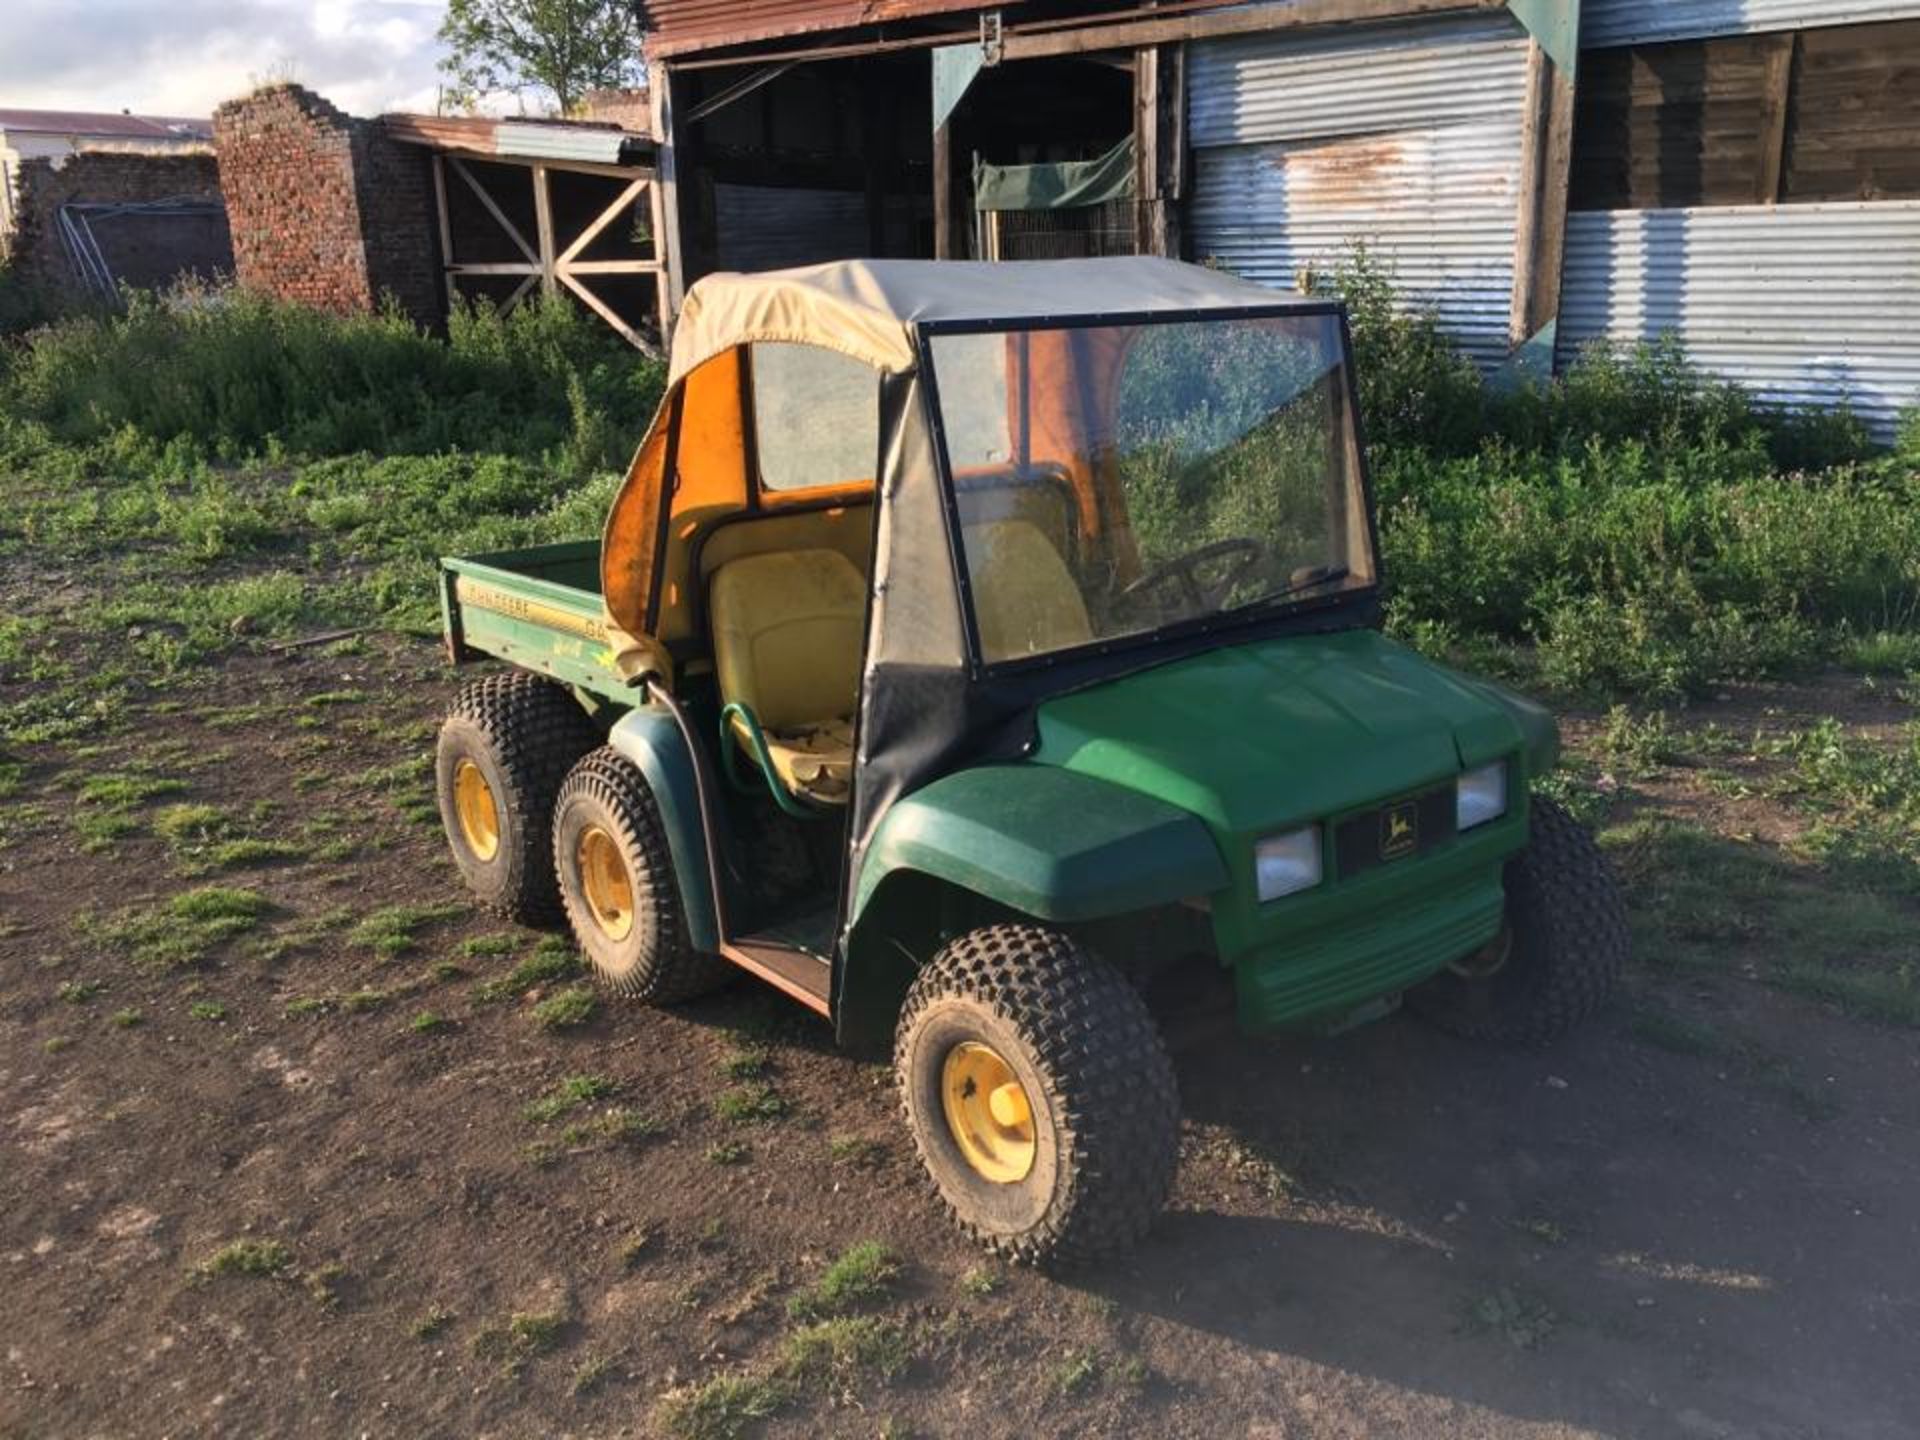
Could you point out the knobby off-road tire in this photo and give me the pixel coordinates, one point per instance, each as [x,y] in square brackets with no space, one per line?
[1104,1106]
[619,889]
[1566,941]
[506,744]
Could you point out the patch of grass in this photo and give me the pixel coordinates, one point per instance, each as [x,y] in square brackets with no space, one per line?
[1884,652]
[855,1150]
[590,1374]
[486,946]
[747,1063]
[723,1407]
[727,1152]
[747,1104]
[520,1337]
[264,1259]
[126,1019]
[615,1125]
[207,1010]
[395,929]
[838,1352]
[1075,1372]
[323,1284]
[432,1322]
[307,1005]
[78,992]
[1701,901]
[566,1009]
[1524,1320]
[359,1002]
[979,1280]
[427,1023]
[567,1096]
[864,1271]
[125,790]
[548,963]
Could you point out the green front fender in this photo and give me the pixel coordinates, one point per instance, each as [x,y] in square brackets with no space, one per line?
[1046,842]
[1005,841]
[648,738]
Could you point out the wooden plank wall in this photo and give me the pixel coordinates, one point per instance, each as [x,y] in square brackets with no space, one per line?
[1822,114]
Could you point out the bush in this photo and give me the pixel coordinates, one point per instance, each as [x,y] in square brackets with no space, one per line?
[1648,529]
[234,375]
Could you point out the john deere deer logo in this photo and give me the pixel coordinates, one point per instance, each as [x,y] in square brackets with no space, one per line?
[1399,832]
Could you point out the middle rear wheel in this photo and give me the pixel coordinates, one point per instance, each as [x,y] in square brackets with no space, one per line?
[1039,1095]
[618,885]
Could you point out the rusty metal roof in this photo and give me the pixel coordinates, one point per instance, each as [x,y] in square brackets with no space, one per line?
[682,26]
[600,141]
[106,125]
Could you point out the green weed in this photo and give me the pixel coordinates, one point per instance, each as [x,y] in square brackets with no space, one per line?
[836,1353]
[268,1259]
[865,1271]
[566,1009]
[724,1407]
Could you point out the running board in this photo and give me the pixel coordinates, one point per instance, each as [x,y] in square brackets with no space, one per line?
[807,978]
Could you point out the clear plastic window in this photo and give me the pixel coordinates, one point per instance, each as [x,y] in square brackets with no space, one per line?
[816,417]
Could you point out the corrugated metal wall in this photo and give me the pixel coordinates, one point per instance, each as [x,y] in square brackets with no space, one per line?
[1407,137]
[1803,304]
[1630,22]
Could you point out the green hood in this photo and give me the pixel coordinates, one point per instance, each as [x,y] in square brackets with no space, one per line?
[1254,737]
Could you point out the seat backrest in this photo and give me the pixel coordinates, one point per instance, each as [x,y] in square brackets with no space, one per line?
[787,635]
[1024,596]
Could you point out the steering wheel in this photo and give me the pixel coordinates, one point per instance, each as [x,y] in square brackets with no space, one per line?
[1185,569]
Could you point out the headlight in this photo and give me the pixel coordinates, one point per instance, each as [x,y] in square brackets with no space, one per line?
[1480,796]
[1283,864]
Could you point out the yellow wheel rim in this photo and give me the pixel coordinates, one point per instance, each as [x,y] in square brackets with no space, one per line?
[474,807]
[988,1112]
[605,882]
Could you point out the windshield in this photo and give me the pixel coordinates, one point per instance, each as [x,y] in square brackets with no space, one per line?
[1115,480]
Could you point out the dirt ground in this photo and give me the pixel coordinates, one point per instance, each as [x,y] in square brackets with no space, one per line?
[1388,1233]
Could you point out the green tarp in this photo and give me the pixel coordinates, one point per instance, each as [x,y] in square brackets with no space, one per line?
[1062,185]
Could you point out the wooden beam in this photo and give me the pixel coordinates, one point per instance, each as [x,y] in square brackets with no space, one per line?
[1146,152]
[446,229]
[1546,167]
[1775,107]
[494,267]
[607,313]
[493,209]
[943,192]
[667,236]
[1210,24]
[543,222]
[605,218]
[610,267]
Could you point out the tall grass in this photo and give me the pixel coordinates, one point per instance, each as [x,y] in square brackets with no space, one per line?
[233,375]
[1636,525]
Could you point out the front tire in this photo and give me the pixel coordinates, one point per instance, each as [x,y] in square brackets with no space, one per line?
[1039,1095]
[506,744]
[1559,954]
[617,882]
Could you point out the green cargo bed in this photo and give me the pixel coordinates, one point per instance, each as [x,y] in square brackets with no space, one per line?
[537,608]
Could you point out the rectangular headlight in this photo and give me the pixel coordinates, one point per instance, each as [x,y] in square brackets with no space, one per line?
[1284,864]
[1480,796]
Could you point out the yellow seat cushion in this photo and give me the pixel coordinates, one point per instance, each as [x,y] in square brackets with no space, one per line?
[1025,599]
[788,632]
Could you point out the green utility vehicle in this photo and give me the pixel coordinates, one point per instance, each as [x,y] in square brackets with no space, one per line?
[968,646]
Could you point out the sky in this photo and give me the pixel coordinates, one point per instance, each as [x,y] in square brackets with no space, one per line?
[183,57]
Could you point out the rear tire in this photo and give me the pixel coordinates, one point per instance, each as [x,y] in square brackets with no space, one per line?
[1039,1095]
[1564,944]
[506,744]
[618,886]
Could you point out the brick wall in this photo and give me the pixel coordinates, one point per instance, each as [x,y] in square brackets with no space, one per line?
[143,250]
[325,210]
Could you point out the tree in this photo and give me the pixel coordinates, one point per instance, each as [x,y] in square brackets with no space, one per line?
[564,47]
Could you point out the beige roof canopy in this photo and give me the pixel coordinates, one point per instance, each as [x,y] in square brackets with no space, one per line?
[867,308]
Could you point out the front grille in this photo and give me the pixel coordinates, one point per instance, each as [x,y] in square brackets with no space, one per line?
[1399,830]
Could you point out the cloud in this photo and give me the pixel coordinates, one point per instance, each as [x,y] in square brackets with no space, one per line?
[186,56]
